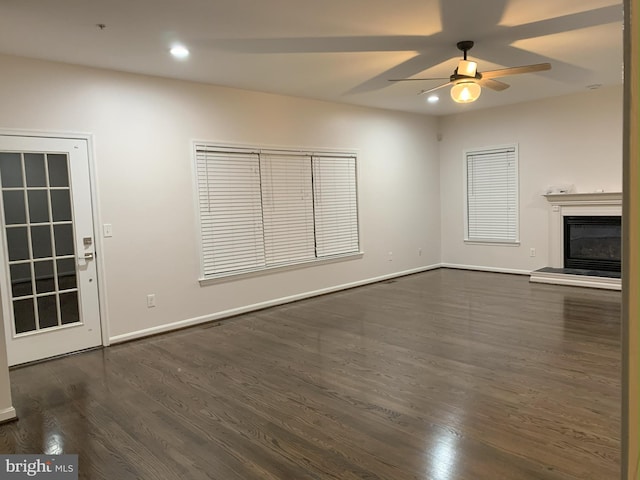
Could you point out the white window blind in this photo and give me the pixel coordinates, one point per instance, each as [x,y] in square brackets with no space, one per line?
[492,195]
[263,208]
[336,206]
[287,205]
[230,204]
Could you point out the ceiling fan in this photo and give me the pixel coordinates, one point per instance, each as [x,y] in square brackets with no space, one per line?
[467,80]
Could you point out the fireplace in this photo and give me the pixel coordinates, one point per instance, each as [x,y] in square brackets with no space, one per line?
[592,242]
[589,262]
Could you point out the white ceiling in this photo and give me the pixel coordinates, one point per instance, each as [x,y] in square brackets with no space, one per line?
[337,50]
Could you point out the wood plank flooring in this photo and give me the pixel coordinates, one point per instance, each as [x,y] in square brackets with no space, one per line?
[444,375]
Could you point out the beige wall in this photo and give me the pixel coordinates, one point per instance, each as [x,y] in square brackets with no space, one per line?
[142,129]
[631,229]
[574,139]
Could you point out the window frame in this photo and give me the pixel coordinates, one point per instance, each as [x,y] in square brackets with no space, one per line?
[199,145]
[491,241]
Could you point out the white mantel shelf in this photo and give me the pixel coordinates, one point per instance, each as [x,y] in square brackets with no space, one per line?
[596,198]
[570,204]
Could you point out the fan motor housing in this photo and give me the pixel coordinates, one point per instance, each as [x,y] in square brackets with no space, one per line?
[455,78]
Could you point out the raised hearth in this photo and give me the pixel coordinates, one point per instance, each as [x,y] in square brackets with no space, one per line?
[577,277]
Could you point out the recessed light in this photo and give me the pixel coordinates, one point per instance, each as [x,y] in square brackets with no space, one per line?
[179,52]
[433,99]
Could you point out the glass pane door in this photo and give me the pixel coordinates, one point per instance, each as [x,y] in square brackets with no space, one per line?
[39,233]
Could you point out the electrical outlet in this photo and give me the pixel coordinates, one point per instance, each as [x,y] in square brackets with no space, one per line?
[151,300]
[391,256]
[419,252]
[532,252]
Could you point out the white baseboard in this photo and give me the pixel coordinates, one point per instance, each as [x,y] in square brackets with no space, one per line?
[259,306]
[8,414]
[486,269]
[576,280]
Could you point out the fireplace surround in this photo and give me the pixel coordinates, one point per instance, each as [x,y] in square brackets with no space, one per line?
[598,204]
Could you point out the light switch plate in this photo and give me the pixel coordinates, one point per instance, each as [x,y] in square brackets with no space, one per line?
[107,230]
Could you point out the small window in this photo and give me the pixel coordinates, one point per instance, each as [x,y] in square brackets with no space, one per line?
[262,209]
[491,203]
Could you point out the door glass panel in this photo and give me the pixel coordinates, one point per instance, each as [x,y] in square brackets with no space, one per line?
[39,234]
[64,239]
[21,279]
[34,170]
[38,206]
[25,319]
[10,169]
[48,311]
[58,172]
[14,210]
[17,243]
[45,279]
[61,205]
[69,308]
[67,274]
[41,241]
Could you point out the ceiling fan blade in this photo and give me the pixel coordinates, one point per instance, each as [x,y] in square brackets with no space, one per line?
[503,72]
[416,79]
[406,69]
[493,84]
[423,92]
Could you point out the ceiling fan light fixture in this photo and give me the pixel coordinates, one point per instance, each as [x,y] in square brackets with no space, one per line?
[465,92]
[467,68]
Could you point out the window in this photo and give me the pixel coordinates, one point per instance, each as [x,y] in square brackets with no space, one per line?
[262,209]
[336,213]
[491,213]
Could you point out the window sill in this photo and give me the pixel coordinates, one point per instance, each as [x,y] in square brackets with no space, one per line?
[231,276]
[493,243]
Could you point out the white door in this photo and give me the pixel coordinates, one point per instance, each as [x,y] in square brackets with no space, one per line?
[48,285]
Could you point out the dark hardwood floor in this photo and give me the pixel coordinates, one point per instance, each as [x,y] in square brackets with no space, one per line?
[445,375]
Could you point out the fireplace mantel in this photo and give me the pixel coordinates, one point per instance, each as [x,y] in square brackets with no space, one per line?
[576,204]
[597,198]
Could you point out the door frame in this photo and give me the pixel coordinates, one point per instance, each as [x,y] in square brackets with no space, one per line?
[95,206]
